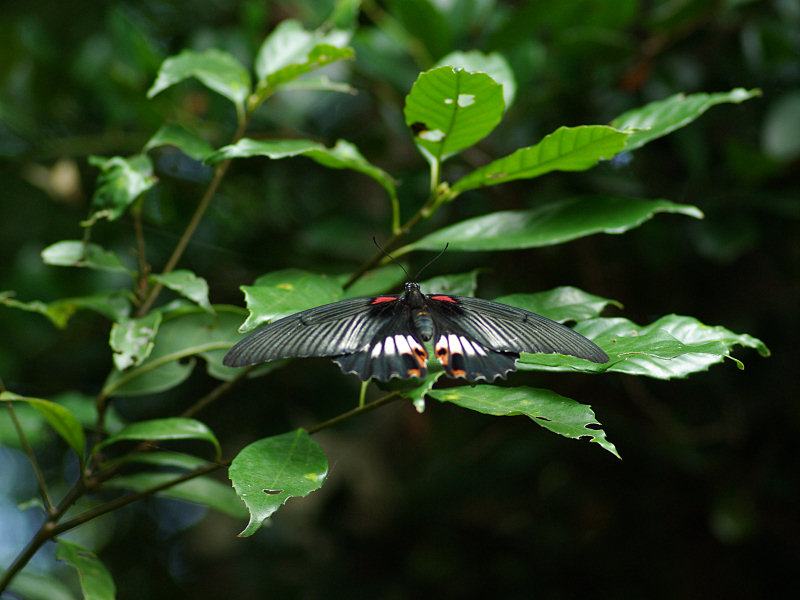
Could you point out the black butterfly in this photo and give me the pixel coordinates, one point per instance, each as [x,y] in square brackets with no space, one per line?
[381,337]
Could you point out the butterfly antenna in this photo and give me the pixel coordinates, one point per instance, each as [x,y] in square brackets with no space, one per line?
[389,256]
[431,261]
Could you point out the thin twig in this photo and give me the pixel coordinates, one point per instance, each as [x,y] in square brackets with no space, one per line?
[31,457]
[356,411]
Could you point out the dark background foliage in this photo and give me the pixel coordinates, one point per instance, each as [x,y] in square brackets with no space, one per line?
[704,503]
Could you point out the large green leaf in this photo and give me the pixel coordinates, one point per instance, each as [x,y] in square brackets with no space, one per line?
[673,346]
[96,582]
[188,285]
[177,135]
[132,340]
[270,471]
[114,305]
[343,155]
[659,118]
[566,149]
[560,304]
[290,51]
[199,490]
[552,223]
[121,181]
[75,253]
[493,64]
[59,417]
[183,334]
[546,408]
[451,109]
[286,292]
[215,69]
[171,428]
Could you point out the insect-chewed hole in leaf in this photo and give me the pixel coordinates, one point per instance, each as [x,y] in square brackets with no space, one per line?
[544,419]
[588,438]
[272,492]
[595,426]
[417,128]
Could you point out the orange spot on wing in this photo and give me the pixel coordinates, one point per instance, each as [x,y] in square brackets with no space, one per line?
[444,299]
[380,299]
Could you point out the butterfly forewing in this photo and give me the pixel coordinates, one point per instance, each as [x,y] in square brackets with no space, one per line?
[508,329]
[330,330]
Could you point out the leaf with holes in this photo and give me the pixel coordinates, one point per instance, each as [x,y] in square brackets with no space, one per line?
[450,109]
[673,346]
[270,471]
[132,340]
[546,408]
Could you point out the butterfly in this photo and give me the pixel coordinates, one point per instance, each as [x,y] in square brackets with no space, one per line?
[382,337]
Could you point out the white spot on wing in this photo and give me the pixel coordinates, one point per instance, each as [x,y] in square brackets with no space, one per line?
[455,345]
[376,351]
[402,344]
[468,349]
[388,345]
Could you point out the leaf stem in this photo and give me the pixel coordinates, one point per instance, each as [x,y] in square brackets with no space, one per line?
[356,411]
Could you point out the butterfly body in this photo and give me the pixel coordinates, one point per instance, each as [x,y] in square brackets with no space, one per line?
[383,337]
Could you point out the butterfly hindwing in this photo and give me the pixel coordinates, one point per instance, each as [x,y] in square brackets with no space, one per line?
[469,359]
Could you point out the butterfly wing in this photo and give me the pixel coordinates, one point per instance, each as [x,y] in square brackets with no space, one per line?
[507,329]
[371,337]
[329,330]
[394,352]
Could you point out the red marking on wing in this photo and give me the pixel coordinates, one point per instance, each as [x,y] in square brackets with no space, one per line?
[380,299]
[444,299]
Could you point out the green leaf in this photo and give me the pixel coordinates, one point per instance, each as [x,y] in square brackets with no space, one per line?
[290,51]
[199,490]
[657,119]
[450,109]
[560,304]
[132,340]
[378,281]
[183,334]
[188,285]
[673,346]
[553,223]
[462,284]
[270,471]
[121,181]
[75,253]
[343,155]
[286,292]
[566,149]
[215,69]
[170,459]
[59,417]
[96,581]
[113,305]
[172,428]
[546,408]
[187,141]
[493,64]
